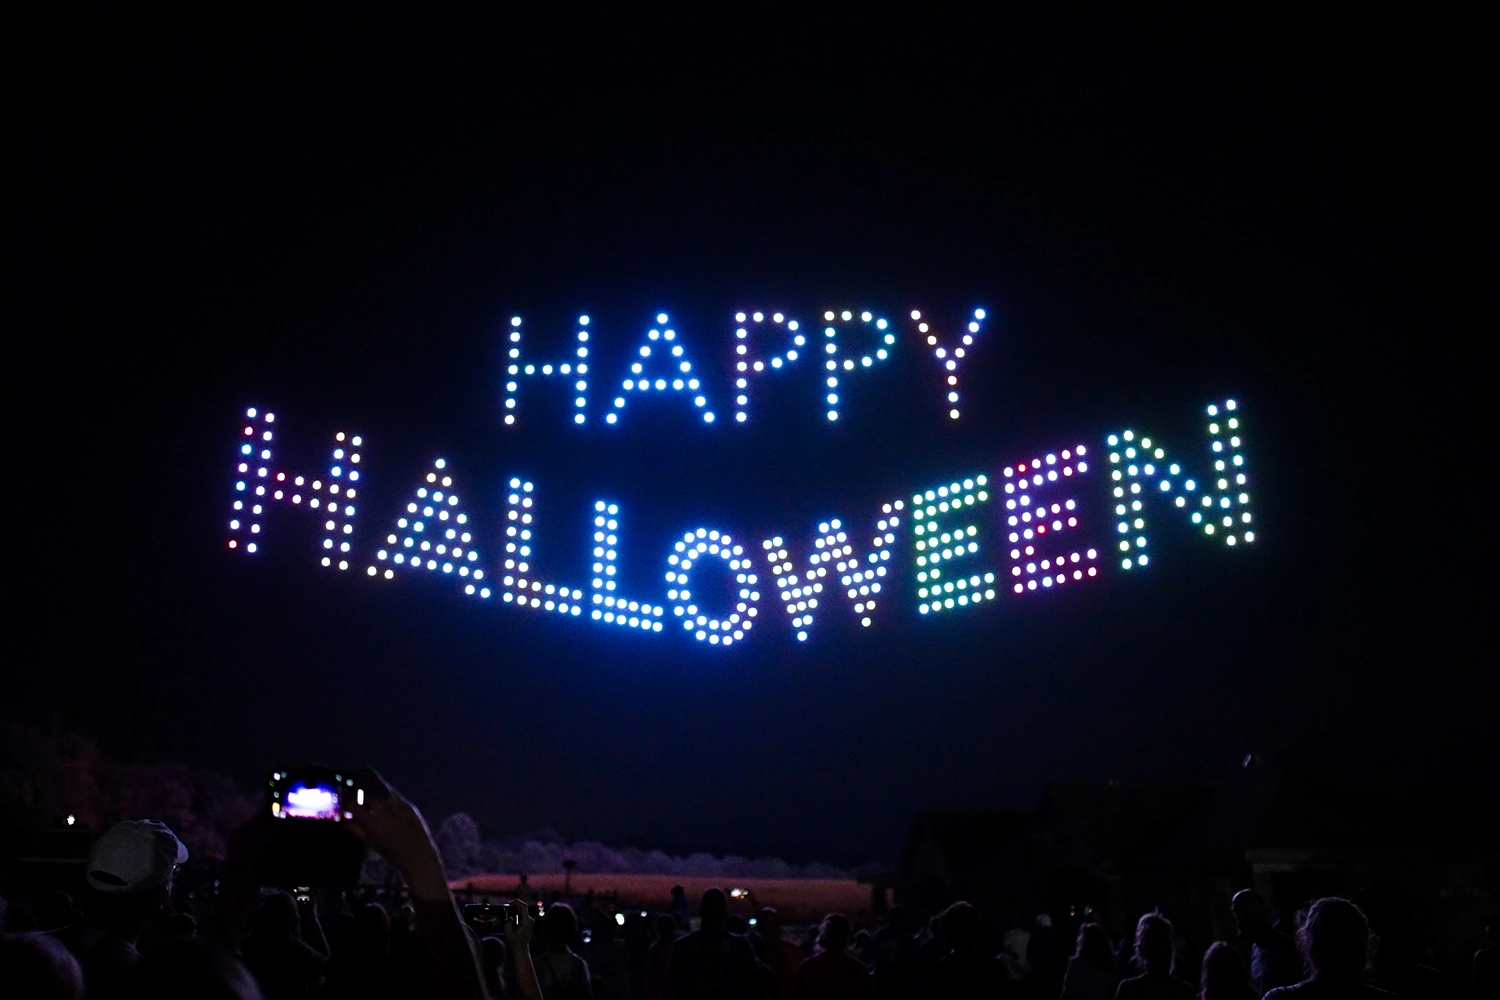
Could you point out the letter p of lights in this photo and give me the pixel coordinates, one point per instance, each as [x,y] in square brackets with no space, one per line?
[747,363]
[939,540]
[1030,522]
[256,488]
[517,368]
[840,361]
[1140,470]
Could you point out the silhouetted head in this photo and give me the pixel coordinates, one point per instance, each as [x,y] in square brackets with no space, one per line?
[1093,945]
[277,920]
[960,923]
[37,965]
[835,932]
[768,922]
[560,926]
[189,970]
[666,927]
[370,930]
[492,949]
[53,909]
[1335,939]
[1252,915]
[1225,976]
[736,924]
[1153,943]
[714,910]
[678,892]
[179,927]
[901,920]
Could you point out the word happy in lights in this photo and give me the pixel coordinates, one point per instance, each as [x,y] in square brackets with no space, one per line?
[1002,530]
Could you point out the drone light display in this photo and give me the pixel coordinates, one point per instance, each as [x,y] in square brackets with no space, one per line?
[1007,529]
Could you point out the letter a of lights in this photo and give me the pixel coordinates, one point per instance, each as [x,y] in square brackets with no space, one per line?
[748,364]
[434,534]
[695,545]
[256,488]
[517,368]
[949,355]
[939,540]
[1031,522]
[1139,466]
[677,375]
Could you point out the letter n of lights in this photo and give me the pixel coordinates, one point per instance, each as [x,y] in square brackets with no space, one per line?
[434,534]
[1032,522]
[517,368]
[256,488]
[943,532]
[1220,504]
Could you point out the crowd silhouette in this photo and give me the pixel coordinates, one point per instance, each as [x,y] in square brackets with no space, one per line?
[139,935]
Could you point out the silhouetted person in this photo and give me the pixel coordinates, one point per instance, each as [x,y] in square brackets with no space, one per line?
[1225,975]
[361,967]
[1401,963]
[1047,959]
[492,958]
[187,970]
[285,966]
[54,910]
[1274,959]
[38,966]
[1153,955]
[128,881]
[1335,943]
[833,973]
[179,927]
[966,971]
[897,974]
[659,959]
[681,909]
[711,963]
[780,956]
[1092,972]
[1486,970]
[559,970]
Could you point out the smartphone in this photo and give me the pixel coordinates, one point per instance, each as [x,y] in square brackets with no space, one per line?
[315,846]
[313,793]
[487,918]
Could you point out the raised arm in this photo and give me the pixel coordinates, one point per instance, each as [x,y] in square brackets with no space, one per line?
[396,830]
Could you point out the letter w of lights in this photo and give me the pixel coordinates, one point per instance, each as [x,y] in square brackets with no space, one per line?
[1139,465]
[256,487]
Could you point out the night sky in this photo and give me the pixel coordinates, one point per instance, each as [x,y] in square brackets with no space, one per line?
[335,220]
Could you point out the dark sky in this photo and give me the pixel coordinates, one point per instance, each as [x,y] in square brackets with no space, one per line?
[335,220]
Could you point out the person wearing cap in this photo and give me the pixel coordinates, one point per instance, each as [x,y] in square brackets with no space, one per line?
[129,881]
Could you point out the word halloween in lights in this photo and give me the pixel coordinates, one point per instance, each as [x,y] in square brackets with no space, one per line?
[1002,530]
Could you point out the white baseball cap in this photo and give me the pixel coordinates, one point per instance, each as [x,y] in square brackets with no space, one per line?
[133,856]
